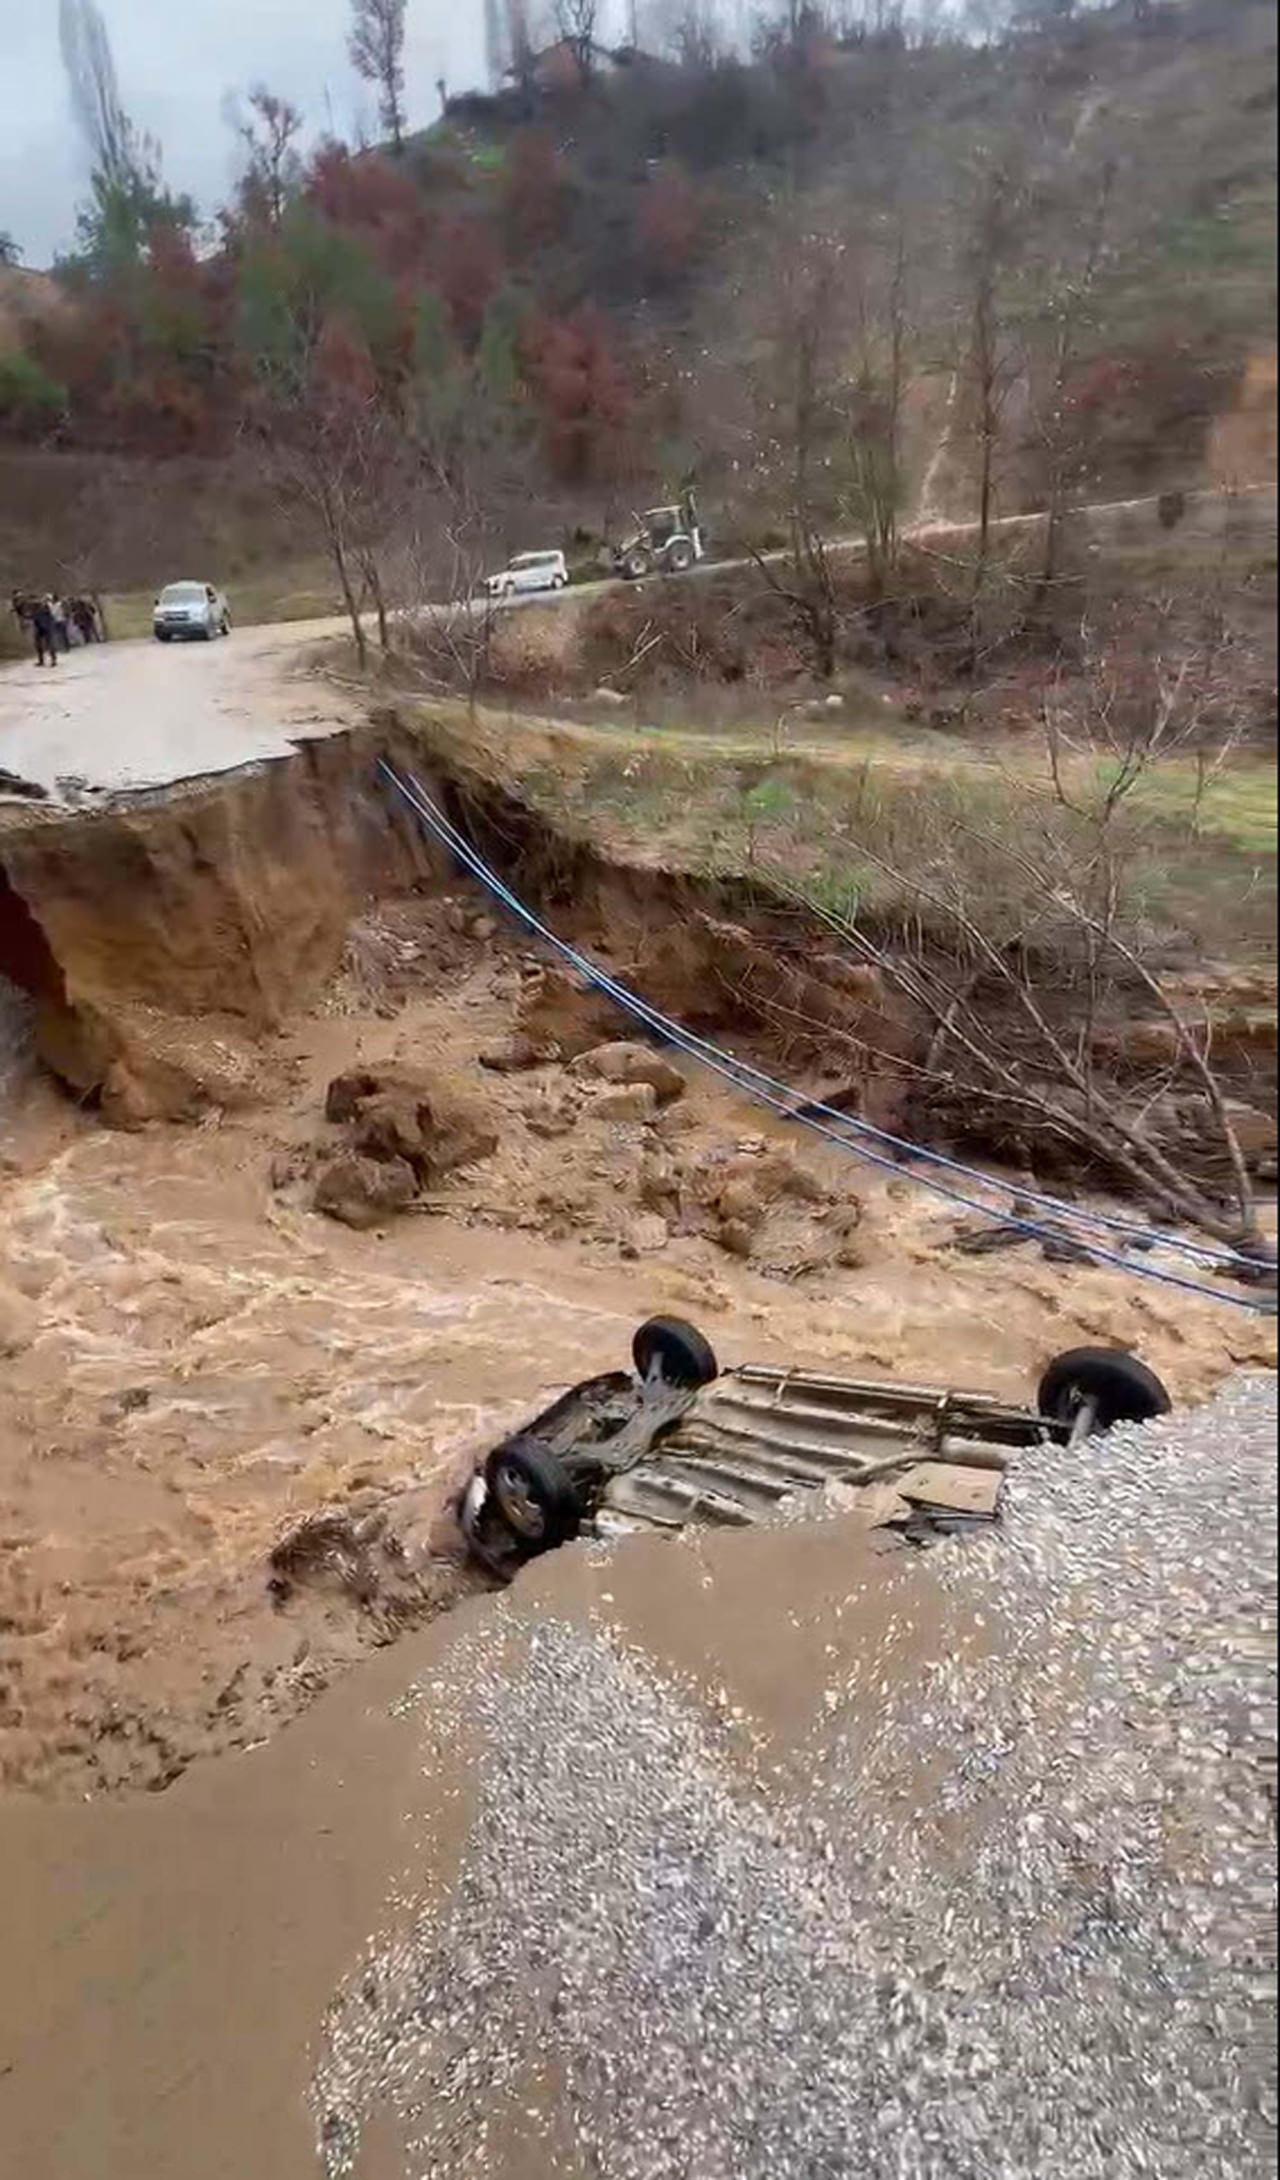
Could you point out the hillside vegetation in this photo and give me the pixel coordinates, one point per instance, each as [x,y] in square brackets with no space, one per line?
[858,275]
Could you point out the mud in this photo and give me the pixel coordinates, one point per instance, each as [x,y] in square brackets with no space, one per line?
[203,1367]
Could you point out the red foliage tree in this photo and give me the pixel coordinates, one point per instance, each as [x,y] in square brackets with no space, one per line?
[376,199]
[467,269]
[535,196]
[582,390]
[669,227]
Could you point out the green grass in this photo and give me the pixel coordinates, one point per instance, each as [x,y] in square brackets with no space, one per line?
[298,593]
[1239,807]
[855,827]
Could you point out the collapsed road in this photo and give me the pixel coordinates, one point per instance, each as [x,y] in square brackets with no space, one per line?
[751,1856]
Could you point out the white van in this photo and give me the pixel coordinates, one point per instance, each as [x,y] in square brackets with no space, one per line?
[528,571]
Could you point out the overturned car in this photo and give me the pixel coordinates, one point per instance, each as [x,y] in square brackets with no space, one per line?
[676,1440]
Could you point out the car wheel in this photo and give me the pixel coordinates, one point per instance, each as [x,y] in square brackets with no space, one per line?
[162,635]
[226,624]
[534,1493]
[559,582]
[635,566]
[668,1348]
[680,556]
[1118,1387]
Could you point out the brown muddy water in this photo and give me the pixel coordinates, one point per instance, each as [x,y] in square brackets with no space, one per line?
[198,1363]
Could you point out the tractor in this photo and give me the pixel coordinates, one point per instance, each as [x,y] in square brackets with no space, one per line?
[666,541]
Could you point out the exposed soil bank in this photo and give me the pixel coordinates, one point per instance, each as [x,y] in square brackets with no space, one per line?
[162,937]
[197,1366]
[165,937]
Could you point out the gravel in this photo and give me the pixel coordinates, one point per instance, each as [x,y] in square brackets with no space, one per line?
[1018,1922]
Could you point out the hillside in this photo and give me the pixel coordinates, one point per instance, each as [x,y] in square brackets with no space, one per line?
[577,293]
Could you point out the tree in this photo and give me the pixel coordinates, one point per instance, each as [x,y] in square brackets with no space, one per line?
[1024,941]
[1061,428]
[128,200]
[582,389]
[273,167]
[10,251]
[30,401]
[796,391]
[989,251]
[576,26]
[320,328]
[376,46]
[872,498]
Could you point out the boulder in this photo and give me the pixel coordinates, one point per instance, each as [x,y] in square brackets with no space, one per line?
[364,1192]
[516,1054]
[645,1235]
[626,1101]
[346,1094]
[428,1122]
[632,1063]
[550,1112]
[557,1010]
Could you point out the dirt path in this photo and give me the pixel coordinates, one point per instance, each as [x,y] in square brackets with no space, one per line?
[129,715]
[138,714]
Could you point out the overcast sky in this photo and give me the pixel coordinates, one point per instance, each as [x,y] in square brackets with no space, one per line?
[176,60]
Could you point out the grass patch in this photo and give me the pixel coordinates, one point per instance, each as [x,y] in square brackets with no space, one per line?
[298,593]
[1239,807]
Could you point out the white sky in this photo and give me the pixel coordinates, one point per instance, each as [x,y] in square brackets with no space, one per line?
[176,60]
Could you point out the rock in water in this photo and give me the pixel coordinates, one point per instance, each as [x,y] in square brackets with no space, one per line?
[364,1192]
[632,1063]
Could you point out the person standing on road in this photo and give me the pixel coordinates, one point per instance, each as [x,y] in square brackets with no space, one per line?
[44,629]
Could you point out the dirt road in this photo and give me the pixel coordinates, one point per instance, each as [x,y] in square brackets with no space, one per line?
[138,714]
[131,715]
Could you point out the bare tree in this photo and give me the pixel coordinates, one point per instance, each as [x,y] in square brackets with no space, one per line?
[273,167]
[994,362]
[95,92]
[520,49]
[1070,291]
[873,405]
[376,46]
[797,390]
[576,25]
[1023,943]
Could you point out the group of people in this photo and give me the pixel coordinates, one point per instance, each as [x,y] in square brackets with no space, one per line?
[55,623]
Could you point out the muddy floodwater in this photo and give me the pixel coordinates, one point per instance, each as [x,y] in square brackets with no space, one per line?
[745,1856]
[200,1363]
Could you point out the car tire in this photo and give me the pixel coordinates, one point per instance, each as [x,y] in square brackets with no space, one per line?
[680,557]
[680,1354]
[162,635]
[226,624]
[635,567]
[1121,1389]
[534,1493]
[559,582]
